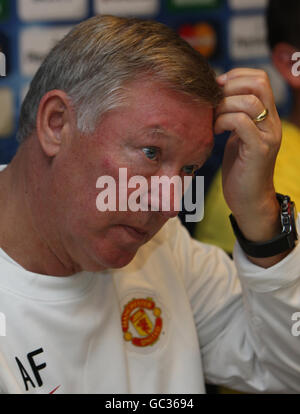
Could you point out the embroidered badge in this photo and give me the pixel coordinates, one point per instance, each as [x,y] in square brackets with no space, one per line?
[141,322]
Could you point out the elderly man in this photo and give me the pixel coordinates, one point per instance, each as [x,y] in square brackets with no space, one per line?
[125,301]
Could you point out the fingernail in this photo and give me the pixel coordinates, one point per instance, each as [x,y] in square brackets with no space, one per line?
[222,78]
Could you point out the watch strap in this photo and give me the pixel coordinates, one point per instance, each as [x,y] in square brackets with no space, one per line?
[268,248]
[282,242]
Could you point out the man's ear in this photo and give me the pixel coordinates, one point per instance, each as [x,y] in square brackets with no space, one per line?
[284,57]
[55,121]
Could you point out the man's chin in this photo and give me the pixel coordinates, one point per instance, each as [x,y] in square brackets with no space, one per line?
[114,251]
[117,261]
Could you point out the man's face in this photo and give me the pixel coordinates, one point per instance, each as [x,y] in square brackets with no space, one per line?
[158,132]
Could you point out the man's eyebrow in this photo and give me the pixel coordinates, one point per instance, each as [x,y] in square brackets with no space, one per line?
[157,130]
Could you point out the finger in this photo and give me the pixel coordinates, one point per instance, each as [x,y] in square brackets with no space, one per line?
[238,72]
[242,125]
[250,104]
[259,87]
[253,85]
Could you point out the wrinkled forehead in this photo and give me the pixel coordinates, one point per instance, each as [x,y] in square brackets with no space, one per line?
[153,113]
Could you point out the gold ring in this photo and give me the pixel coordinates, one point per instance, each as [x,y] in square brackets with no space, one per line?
[261,117]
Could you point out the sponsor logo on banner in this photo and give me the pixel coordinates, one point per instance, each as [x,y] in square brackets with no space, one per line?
[126,7]
[6,113]
[32,10]
[201,36]
[247,4]
[35,44]
[247,37]
[187,4]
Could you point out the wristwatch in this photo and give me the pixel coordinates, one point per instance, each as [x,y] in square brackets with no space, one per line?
[284,241]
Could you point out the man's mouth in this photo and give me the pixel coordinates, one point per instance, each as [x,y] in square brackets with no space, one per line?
[136,232]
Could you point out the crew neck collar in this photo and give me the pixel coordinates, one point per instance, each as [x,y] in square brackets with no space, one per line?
[17,280]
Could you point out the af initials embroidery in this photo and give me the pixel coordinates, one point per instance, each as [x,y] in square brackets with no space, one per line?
[146,320]
[34,367]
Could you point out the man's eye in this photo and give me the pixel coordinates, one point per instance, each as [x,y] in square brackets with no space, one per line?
[151,153]
[189,169]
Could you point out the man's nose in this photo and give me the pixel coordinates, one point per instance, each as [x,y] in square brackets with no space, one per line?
[166,195]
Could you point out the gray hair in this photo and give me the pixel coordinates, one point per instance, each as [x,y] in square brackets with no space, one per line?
[96,58]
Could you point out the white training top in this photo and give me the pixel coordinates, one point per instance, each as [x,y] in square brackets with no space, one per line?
[175,317]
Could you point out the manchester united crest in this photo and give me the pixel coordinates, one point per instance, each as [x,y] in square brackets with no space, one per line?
[142,322]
